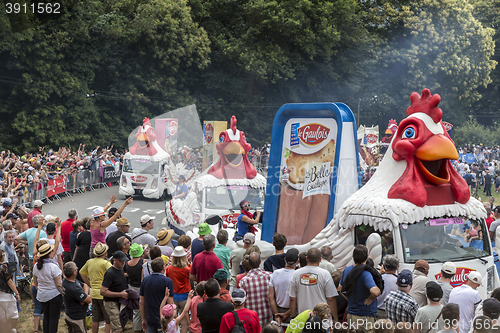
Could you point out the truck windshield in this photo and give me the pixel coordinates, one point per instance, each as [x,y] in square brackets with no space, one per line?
[141,166]
[445,239]
[229,197]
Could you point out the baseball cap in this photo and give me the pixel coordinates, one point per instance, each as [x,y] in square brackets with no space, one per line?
[221,274]
[120,255]
[291,256]
[449,268]
[182,177]
[422,264]
[491,307]
[146,218]
[405,278]
[434,291]
[38,203]
[204,229]
[249,238]
[238,296]
[7,203]
[475,277]
[12,216]
[168,310]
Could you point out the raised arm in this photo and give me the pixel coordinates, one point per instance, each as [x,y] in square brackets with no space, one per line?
[108,222]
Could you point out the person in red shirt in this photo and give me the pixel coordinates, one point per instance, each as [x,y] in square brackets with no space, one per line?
[205,263]
[66,229]
[37,210]
[248,317]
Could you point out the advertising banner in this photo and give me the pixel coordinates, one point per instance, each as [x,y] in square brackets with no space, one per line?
[110,174]
[56,185]
[167,131]
[368,146]
[309,175]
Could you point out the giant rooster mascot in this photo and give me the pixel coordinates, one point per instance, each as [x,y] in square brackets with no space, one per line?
[392,128]
[415,180]
[147,148]
[231,168]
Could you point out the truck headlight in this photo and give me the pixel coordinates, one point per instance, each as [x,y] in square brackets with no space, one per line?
[154,184]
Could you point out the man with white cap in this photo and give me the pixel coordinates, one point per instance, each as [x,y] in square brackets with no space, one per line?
[141,235]
[447,272]
[248,318]
[237,256]
[37,210]
[468,297]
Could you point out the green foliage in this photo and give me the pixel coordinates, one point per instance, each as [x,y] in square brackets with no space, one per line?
[93,74]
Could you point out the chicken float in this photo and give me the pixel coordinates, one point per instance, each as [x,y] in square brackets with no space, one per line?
[220,188]
[147,169]
[392,128]
[416,205]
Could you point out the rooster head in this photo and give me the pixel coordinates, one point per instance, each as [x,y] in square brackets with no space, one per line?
[233,162]
[392,127]
[145,137]
[424,144]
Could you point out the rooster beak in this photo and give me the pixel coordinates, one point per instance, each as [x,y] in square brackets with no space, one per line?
[233,153]
[142,138]
[432,158]
[388,131]
[437,147]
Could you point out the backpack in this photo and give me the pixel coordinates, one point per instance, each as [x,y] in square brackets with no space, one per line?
[238,326]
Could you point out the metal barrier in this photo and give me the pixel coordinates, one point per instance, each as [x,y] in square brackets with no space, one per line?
[67,184]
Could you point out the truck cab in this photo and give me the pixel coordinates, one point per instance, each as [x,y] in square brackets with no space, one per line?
[463,241]
[149,178]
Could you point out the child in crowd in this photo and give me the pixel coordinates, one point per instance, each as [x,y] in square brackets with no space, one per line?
[195,326]
[168,313]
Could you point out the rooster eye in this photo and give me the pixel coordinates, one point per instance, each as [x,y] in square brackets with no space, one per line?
[409,133]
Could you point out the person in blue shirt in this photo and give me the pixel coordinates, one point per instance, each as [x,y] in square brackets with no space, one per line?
[245,221]
[360,290]
[181,189]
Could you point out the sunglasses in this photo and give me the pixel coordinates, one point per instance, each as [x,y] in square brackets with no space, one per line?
[247,205]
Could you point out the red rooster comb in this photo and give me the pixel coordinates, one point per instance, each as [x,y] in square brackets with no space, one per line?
[392,122]
[145,122]
[426,104]
[233,124]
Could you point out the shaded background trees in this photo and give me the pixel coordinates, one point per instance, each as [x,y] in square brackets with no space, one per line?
[92,74]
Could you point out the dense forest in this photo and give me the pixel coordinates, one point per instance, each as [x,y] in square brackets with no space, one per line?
[92,72]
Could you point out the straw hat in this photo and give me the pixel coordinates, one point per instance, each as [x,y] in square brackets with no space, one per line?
[164,236]
[45,249]
[100,249]
[121,222]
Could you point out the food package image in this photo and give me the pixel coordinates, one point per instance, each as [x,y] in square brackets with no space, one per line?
[307,145]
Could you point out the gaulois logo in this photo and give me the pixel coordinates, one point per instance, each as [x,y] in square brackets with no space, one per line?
[313,134]
[371,138]
[459,278]
[447,126]
[230,218]
[172,127]
[139,179]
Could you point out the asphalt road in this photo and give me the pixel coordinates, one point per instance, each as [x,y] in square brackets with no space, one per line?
[87,202]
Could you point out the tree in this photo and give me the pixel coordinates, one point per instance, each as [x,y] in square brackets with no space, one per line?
[431,44]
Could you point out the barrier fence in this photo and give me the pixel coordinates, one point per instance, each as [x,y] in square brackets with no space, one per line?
[63,184]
